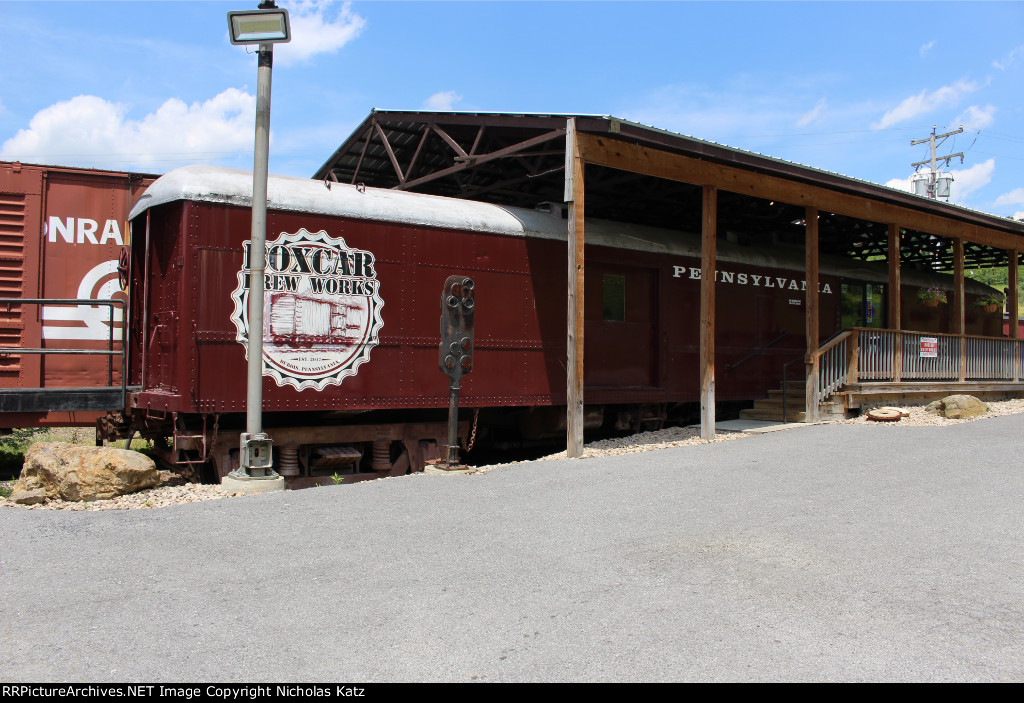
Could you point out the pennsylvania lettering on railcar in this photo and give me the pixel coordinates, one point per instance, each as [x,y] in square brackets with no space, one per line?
[744,279]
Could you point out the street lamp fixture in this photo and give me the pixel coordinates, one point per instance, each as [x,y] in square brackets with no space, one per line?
[266,26]
[269,26]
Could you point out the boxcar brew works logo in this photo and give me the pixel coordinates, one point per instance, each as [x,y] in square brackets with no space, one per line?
[321,309]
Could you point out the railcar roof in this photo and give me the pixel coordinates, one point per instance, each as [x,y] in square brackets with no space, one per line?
[233,187]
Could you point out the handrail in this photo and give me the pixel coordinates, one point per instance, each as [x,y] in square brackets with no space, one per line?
[109,352]
[833,340]
[785,383]
[754,352]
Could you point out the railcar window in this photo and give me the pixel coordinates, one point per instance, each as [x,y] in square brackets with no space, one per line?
[614,298]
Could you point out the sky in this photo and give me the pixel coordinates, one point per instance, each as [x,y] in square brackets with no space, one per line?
[840,86]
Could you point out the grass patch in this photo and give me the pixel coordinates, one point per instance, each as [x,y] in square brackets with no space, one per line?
[14,445]
[12,450]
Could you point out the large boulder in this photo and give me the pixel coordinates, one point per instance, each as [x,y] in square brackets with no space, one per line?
[958,407]
[78,472]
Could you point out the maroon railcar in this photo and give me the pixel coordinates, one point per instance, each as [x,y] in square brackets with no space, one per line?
[350,332]
[61,233]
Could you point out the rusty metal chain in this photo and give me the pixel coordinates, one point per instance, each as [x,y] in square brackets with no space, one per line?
[472,435]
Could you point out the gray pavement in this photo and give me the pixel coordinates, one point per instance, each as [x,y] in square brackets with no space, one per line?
[833,552]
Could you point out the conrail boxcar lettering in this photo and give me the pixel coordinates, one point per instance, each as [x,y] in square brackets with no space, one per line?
[84,232]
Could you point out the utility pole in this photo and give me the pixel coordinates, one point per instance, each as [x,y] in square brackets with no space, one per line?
[932,185]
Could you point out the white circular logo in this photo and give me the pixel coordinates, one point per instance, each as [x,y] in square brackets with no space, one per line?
[321,309]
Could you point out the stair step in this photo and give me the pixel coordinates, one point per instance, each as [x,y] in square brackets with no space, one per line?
[776,415]
[772,403]
[792,395]
[792,403]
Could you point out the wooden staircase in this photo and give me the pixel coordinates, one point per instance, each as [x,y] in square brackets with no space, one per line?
[770,408]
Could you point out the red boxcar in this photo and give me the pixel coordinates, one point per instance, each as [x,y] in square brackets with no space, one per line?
[353,284]
[61,233]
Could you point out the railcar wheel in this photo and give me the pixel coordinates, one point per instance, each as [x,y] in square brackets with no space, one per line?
[122,268]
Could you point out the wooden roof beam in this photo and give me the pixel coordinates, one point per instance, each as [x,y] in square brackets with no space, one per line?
[606,151]
[484,158]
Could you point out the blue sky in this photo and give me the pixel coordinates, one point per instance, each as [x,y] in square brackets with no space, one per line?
[842,86]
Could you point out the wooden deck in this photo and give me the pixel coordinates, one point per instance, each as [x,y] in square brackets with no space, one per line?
[863,365]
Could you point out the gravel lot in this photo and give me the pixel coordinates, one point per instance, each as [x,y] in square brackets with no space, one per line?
[163,496]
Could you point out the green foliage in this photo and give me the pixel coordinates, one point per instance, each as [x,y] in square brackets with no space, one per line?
[12,450]
[336,478]
[998,278]
[993,298]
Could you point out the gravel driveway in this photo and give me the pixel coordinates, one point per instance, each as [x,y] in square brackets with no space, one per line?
[833,552]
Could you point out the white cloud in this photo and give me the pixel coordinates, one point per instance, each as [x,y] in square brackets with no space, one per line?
[444,100]
[968,180]
[976,117]
[1018,215]
[812,116]
[925,102]
[318,27]
[900,184]
[926,49]
[91,131]
[1010,59]
[1014,197]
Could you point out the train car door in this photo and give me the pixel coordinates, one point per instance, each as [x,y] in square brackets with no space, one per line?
[621,335]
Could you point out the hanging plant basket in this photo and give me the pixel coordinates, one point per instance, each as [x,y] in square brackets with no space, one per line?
[930,303]
[991,307]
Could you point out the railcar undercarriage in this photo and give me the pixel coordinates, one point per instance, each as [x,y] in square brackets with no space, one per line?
[205,447]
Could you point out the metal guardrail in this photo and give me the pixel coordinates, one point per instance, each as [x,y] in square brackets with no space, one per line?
[109,352]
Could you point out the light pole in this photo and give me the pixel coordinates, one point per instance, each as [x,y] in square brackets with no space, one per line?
[265,27]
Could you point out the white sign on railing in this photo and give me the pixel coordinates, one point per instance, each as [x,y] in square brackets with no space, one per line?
[929,347]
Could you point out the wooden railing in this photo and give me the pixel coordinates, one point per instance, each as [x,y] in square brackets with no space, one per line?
[905,355]
[882,355]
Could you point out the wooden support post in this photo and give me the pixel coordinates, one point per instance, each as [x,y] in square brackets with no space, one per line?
[1011,298]
[1012,312]
[958,302]
[853,358]
[709,253]
[574,322]
[895,301]
[811,320]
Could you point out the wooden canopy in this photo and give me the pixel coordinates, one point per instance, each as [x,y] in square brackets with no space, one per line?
[638,174]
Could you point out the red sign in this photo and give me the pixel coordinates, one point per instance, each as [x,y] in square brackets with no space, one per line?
[929,347]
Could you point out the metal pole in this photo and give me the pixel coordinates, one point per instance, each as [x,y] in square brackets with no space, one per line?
[452,453]
[258,243]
